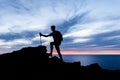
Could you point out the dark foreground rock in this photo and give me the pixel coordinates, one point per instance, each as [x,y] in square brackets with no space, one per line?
[34,63]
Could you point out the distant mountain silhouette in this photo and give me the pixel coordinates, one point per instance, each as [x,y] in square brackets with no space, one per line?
[34,63]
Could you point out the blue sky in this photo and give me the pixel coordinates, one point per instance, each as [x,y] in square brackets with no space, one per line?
[87,25]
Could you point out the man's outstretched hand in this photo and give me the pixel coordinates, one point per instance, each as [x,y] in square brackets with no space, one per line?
[40,33]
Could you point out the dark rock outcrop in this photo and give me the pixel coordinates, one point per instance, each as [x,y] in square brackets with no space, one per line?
[34,63]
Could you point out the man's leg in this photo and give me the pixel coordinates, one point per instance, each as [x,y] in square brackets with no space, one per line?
[51,48]
[58,51]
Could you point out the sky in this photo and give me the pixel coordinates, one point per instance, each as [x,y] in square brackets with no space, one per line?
[91,26]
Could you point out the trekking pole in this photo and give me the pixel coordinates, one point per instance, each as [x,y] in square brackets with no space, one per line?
[40,40]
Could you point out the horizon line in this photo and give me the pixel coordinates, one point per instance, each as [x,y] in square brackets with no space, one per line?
[69,52]
[89,52]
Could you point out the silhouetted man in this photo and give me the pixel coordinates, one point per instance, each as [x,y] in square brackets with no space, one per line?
[57,37]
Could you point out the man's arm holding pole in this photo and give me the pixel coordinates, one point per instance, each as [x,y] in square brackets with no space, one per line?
[44,35]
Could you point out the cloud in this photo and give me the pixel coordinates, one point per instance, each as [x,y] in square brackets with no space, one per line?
[80,40]
[110,46]
[23,35]
[42,40]
[33,15]
[102,40]
[83,23]
[10,44]
[75,19]
[92,28]
[96,35]
[113,37]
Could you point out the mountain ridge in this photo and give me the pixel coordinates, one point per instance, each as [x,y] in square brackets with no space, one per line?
[34,63]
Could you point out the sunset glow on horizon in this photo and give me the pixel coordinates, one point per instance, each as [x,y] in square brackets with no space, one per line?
[88,52]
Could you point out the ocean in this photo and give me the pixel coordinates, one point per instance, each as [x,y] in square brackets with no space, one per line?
[110,62]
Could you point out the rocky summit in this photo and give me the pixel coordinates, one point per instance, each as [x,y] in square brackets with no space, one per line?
[34,63]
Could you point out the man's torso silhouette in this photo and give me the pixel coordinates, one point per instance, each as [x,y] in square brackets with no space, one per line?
[57,37]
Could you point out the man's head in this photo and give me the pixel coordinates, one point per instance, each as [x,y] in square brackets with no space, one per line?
[53,27]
